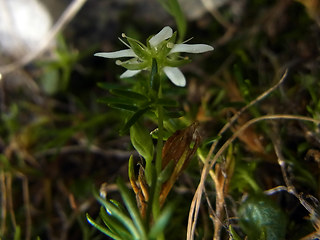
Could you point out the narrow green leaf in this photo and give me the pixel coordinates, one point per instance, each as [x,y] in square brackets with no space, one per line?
[138,48]
[129,95]
[165,49]
[166,172]
[17,233]
[114,225]
[102,228]
[178,62]
[134,118]
[173,7]
[234,235]
[166,102]
[154,77]
[161,222]
[179,18]
[132,64]
[123,107]
[118,103]
[133,210]
[173,114]
[117,204]
[118,214]
[113,100]
[107,85]
[131,173]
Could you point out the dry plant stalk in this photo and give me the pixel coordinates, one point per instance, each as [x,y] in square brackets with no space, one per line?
[240,131]
[7,202]
[314,216]
[223,173]
[209,162]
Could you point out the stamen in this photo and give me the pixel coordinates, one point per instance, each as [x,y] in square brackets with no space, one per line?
[185,41]
[170,45]
[124,42]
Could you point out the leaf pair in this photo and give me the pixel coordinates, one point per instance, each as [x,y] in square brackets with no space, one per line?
[137,103]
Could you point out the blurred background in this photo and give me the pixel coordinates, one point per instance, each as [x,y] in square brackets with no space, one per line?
[58,143]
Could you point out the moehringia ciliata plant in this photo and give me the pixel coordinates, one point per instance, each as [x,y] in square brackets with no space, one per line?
[160,57]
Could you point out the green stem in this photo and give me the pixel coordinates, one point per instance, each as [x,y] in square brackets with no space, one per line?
[160,138]
[157,189]
[156,207]
[156,86]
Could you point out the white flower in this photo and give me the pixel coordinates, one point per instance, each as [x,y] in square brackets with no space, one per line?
[161,47]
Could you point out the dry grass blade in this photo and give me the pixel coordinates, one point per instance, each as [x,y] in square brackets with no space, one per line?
[235,136]
[195,205]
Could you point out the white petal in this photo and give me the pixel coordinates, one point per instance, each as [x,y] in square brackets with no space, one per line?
[164,34]
[117,54]
[175,76]
[129,73]
[191,48]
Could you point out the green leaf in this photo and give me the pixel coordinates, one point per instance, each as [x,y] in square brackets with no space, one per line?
[133,210]
[114,100]
[124,107]
[102,228]
[161,222]
[164,49]
[134,118]
[166,102]
[118,214]
[177,62]
[260,218]
[131,173]
[154,77]
[166,172]
[173,114]
[17,233]
[114,225]
[142,141]
[107,85]
[173,7]
[129,95]
[133,64]
[233,234]
[138,48]
[118,103]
